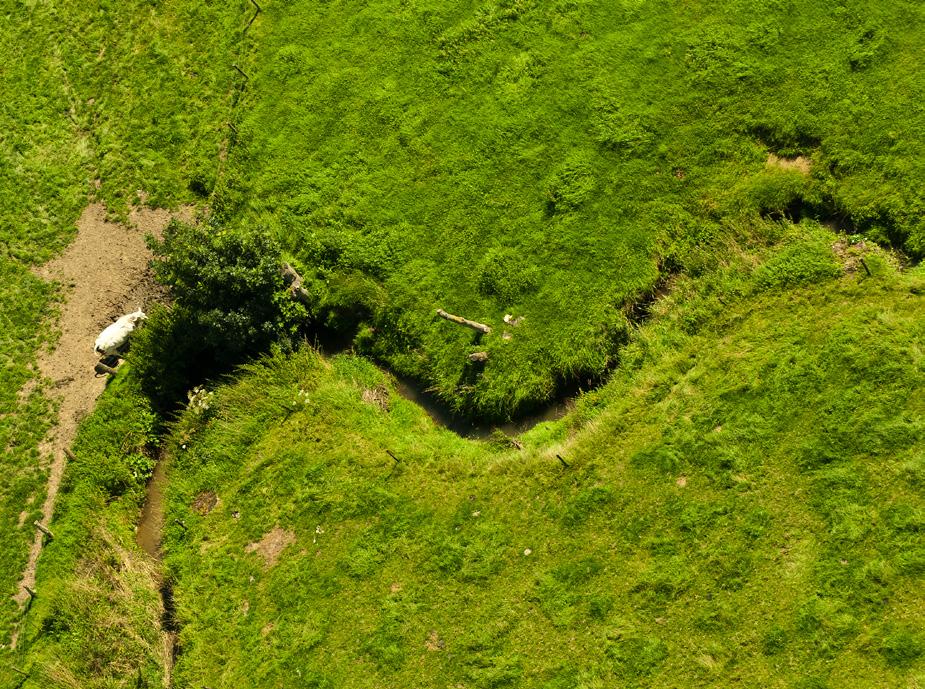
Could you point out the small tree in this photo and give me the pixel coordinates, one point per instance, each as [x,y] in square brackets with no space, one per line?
[230,302]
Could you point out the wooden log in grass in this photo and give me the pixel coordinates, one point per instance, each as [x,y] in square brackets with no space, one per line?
[292,278]
[41,527]
[102,369]
[459,320]
[478,357]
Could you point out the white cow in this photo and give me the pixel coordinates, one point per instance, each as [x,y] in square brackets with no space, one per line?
[115,336]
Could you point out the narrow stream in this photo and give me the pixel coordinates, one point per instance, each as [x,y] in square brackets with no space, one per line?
[148,536]
[151,523]
[480,430]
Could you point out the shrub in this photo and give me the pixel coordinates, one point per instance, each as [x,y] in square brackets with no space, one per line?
[230,302]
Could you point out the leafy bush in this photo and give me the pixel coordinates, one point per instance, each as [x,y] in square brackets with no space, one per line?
[230,302]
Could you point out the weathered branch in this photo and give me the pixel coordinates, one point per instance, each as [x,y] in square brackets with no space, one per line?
[459,320]
[102,369]
[478,357]
[292,278]
[41,527]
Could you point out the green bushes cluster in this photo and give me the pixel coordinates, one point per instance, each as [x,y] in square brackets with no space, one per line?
[230,303]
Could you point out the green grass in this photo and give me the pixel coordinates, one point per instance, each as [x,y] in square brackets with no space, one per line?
[552,160]
[790,552]
[109,92]
[25,416]
[96,619]
[743,501]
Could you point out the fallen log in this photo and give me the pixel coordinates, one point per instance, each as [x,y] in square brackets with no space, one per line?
[102,369]
[292,278]
[41,527]
[459,320]
[478,357]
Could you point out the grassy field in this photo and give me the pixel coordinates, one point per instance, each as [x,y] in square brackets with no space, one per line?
[553,160]
[99,101]
[97,618]
[739,504]
[742,506]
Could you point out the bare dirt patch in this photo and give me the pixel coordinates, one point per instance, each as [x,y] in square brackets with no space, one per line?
[377,396]
[272,544]
[801,164]
[102,274]
[205,502]
[434,642]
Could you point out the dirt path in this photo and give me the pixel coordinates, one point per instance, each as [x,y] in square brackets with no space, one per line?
[104,273]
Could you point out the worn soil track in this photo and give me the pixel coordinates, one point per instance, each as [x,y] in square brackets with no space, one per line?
[103,274]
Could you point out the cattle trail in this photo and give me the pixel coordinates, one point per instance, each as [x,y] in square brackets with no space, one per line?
[103,274]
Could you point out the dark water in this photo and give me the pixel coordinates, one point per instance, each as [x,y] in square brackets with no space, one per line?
[151,523]
[477,430]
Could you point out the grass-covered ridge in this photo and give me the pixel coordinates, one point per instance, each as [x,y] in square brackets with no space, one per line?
[97,619]
[742,500]
[552,160]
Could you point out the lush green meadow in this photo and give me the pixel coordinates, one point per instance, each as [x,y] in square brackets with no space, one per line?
[554,160]
[738,503]
[742,506]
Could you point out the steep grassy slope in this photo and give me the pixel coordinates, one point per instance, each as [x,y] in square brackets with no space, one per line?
[111,93]
[552,159]
[742,506]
